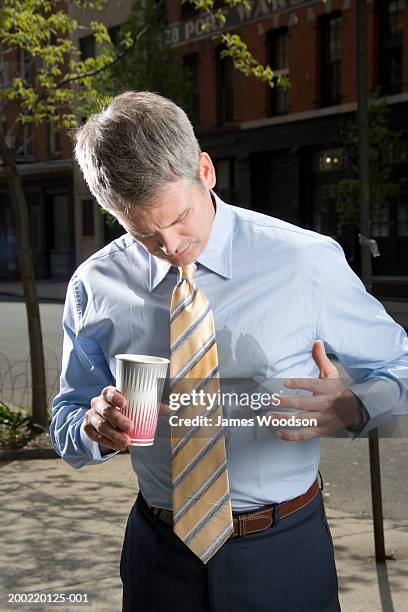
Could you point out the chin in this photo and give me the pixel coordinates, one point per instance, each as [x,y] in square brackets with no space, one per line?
[188,259]
[183,261]
[191,257]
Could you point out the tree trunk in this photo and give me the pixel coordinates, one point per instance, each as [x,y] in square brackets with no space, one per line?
[25,260]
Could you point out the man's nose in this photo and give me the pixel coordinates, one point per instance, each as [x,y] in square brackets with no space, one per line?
[168,242]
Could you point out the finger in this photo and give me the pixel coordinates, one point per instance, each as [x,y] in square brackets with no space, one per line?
[315,385]
[303,419]
[109,439]
[300,402]
[306,433]
[316,406]
[114,397]
[326,368]
[118,437]
[297,415]
[112,415]
[164,409]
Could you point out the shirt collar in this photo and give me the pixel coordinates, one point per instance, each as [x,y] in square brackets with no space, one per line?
[217,256]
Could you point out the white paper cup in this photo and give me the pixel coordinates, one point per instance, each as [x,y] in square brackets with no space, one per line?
[141,379]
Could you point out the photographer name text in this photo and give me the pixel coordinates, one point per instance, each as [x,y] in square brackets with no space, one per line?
[264,420]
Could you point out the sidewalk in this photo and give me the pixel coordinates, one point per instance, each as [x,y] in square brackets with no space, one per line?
[47,290]
[55,291]
[62,529]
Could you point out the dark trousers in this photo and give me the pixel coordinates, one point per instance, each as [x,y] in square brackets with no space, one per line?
[287,568]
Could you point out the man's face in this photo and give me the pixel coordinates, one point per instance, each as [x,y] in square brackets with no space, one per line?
[177,226]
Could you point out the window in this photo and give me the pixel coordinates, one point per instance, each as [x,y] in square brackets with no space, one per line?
[54,139]
[36,223]
[391,38]
[4,77]
[114,35]
[25,65]
[7,138]
[8,258]
[226,174]
[380,218]
[225,89]
[402,220]
[25,143]
[279,61]
[187,10]
[395,153]
[330,60]
[88,223]
[191,64]
[223,169]
[87,47]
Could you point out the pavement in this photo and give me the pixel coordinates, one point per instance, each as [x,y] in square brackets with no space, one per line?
[54,291]
[62,530]
[48,290]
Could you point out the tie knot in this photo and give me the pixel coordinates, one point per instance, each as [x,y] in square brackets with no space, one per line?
[188,271]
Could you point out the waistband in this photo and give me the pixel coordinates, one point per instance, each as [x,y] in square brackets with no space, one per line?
[251,522]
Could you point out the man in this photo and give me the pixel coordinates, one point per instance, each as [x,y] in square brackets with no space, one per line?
[270,292]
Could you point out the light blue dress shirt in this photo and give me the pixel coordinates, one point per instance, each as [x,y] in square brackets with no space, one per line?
[274,289]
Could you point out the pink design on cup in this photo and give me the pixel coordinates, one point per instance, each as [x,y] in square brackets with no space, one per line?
[141,379]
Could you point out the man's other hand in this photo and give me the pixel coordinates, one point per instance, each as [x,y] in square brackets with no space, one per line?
[332,405]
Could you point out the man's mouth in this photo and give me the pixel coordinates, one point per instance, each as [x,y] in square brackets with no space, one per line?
[176,256]
[173,255]
[183,251]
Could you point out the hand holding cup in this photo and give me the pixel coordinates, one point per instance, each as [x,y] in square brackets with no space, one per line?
[104,423]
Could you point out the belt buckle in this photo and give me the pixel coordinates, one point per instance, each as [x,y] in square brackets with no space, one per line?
[243,519]
[241,525]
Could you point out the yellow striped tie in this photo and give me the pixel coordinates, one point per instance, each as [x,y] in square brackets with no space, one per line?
[202,513]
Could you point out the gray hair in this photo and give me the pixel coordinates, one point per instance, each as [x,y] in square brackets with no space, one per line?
[130,151]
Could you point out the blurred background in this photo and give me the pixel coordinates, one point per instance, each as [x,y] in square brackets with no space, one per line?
[271,88]
[285,151]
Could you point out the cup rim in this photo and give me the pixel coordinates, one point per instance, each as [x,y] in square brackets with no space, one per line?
[142,359]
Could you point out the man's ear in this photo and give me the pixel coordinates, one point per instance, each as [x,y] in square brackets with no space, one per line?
[207,171]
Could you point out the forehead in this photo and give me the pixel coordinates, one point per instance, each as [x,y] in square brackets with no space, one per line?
[165,209]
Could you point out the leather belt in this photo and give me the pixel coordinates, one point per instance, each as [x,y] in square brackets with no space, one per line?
[251,522]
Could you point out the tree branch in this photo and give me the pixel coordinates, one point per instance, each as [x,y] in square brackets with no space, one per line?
[120,56]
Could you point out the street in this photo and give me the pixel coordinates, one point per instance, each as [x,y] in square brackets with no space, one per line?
[344,464]
[14,350]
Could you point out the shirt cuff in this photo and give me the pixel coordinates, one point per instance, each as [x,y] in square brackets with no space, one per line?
[365,417]
[379,397]
[93,449]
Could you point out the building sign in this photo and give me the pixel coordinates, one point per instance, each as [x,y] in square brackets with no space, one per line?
[203,26]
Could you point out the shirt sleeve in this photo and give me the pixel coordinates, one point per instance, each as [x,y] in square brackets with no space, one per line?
[370,345]
[85,372]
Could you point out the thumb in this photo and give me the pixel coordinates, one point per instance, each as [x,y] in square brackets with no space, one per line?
[327,369]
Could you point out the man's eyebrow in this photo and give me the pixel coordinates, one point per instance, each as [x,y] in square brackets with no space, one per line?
[181,215]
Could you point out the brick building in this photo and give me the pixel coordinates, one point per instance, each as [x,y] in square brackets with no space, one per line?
[44,158]
[65,223]
[276,151]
